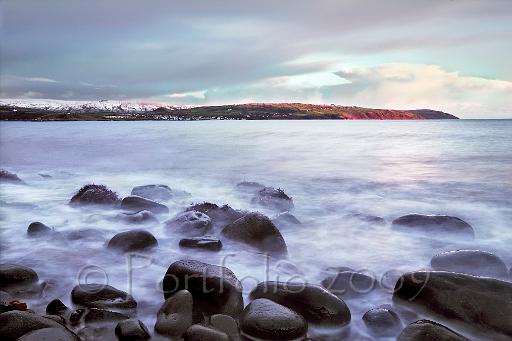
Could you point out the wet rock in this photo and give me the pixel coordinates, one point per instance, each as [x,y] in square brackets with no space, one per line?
[101,296]
[14,324]
[249,186]
[226,324]
[433,225]
[258,231]
[50,334]
[135,204]
[425,330]
[286,219]
[8,303]
[56,307]
[268,320]
[142,217]
[13,275]
[313,302]
[104,332]
[368,218]
[153,192]
[223,294]
[101,315]
[349,284]
[273,198]
[37,229]
[83,234]
[131,241]
[189,223]
[76,316]
[198,332]
[6,176]
[471,262]
[59,319]
[94,195]
[382,322]
[132,330]
[175,316]
[203,243]
[220,215]
[480,302]
[288,268]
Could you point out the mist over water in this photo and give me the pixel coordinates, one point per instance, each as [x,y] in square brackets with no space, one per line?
[332,169]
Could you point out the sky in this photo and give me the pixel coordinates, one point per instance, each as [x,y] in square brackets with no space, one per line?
[449,55]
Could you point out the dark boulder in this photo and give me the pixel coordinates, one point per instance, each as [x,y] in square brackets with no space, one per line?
[37,229]
[95,315]
[153,192]
[14,324]
[6,176]
[132,330]
[268,320]
[249,186]
[13,275]
[258,231]
[480,302]
[203,243]
[56,307]
[131,241]
[215,289]
[76,316]
[220,215]
[190,223]
[434,225]
[142,217]
[101,296]
[94,195]
[175,316]
[286,219]
[313,302]
[349,284]
[135,204]
[471,262]
[382,322]
[198,332]
[425,330]
[50,334]
[273,198]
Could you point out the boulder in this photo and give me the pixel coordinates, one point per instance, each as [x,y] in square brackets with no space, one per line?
[425,330]
[258,231]
[95,315]
[226,324]
[189,223]
[131,241]
[37,229]
[249,186]
[198,332]
[56,307]
[273,198]
[94,195]
[349,284]
[203,243]
[153,192]
[220,215]
[142,217]
[215,289]
[13,275]
[132,330]
[434,225]
[313,302]
[6,176]
[471,262]
[50,334]
[135,204]
[175,316]
[101,296]
[268,320]
[382,322]
[14,324]
[479,302]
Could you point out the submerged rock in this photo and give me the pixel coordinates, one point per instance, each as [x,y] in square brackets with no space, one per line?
[480,302]
[37,229]
[313,302]
[268,320]
[14,324]
[349,284]
[273,198]
[134,240]
[425,330]
[189,223]
[220,215]
[6,176]
[50,334]
[258,231]
[135,204]
[83,234]
[94,195]
[175,316]
[101,296]
[382,322]
[368,218]
[286,219]
[249,186]
[153,192]
[471,262]
[215,289]
[95,315]
[13,275]
[432,225]
[142,217]
[198,332]
[201,243]
[132,330]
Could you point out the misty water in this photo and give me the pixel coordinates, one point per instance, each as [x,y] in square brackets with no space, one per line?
[332,169]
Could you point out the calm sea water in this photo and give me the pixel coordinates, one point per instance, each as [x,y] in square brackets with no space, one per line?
[330,168]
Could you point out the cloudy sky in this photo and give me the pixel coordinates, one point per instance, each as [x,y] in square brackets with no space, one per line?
[451,55]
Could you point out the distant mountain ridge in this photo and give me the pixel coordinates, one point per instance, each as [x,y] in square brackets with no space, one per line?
[51,110]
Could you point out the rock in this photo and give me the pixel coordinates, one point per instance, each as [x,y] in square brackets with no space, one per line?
[59,319]
[201,243]
[272,198]
[268,320]
[425,330]
[368,218]
[131,241]
[313,302]
[104,332]
[142,217]
[50,334]
[153,192]
[382,322]
[220,215]
[13,275]
[190,223]
[6,176]
[37,229]
[258,231]
[471,262]
[76,316]
[286,219]
[226,324]
[8,303]
[480,302]
[223,293]
[349,284]
[433,225]
[14,324]
[288,268]
[198,332]
[135,204]
[45,176]
[175,316]
[56,307]
[132,330]
[95,315]
[249,186]
[101,296]
[83,234]
[94,195]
